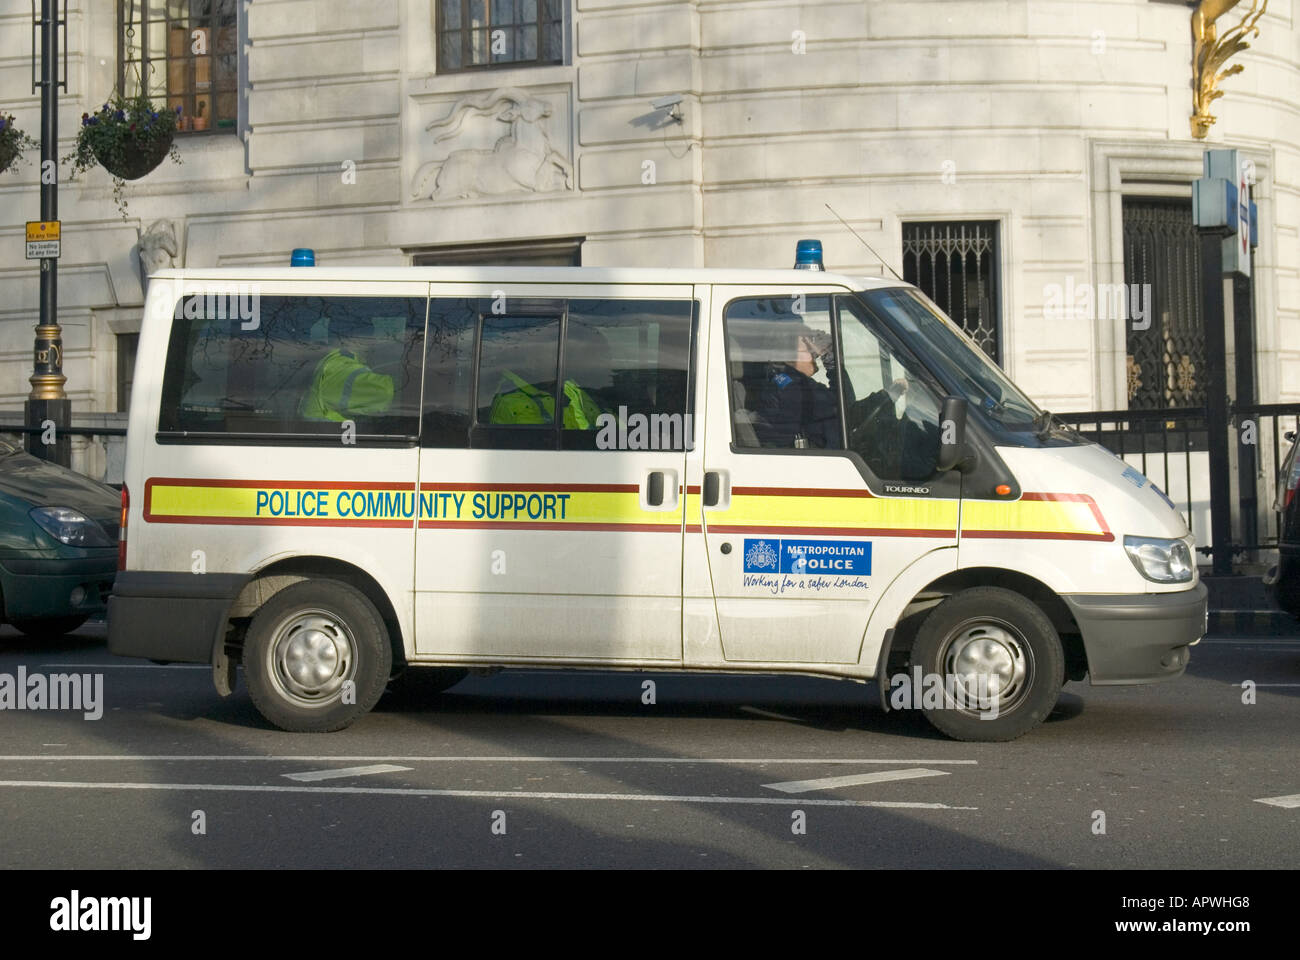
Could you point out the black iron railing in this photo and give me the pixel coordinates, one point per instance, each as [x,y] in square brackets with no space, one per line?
[1165,442]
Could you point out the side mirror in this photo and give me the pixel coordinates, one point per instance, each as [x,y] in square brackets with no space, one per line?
[952,433]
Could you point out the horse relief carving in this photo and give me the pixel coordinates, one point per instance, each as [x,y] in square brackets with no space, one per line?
[521,160]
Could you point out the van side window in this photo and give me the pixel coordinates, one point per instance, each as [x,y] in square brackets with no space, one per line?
[630,361]
[292,368]
[891,412]
[518,359]
[621,381]
[448,372]
[782,366]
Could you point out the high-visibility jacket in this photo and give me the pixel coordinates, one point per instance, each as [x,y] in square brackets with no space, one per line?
[527,404]
[343,387]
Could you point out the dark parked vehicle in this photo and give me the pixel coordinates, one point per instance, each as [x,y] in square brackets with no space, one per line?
[58,544]
[1285,578]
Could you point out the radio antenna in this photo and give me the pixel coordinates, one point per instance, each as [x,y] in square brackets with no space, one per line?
[865,244]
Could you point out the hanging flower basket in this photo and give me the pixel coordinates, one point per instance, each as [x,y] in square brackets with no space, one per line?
[12,143]
[136,161]
[128,137]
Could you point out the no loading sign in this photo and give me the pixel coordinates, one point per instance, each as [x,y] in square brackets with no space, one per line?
[43,239]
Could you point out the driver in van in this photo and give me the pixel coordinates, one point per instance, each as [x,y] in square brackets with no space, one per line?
[343,386]
[795,410]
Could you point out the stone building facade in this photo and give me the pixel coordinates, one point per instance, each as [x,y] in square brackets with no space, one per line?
[1022,141]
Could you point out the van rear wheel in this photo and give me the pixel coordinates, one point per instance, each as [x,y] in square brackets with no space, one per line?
[316,656]
[998,660]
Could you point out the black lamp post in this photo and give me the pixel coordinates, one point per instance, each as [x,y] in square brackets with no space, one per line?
[48,409]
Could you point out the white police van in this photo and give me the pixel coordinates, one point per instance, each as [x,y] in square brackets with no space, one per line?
[335,474]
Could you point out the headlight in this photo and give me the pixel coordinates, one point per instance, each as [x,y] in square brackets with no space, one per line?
[1163,561]
[71,527]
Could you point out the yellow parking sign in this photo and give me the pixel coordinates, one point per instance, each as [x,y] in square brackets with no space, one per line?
[43,239]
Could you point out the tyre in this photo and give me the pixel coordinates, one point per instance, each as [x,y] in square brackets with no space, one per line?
[48,629]
[303,649]
[1009,644]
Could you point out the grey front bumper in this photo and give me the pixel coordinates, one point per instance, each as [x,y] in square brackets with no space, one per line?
[1139,638]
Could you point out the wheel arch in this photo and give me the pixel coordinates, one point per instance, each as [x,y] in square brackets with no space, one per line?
[266,582]
[898,641]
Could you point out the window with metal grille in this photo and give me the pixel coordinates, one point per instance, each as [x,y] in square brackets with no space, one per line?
[474,34]
[956,263]
[183,52]
[1166,362]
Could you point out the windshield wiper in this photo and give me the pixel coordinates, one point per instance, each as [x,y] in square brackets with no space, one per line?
[1042,425]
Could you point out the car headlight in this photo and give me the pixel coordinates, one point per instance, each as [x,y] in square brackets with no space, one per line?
[1162,561]
[70,526]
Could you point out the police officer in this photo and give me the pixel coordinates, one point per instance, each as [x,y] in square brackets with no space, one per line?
[518,401]
[343,386]
[794,410]
[587,359]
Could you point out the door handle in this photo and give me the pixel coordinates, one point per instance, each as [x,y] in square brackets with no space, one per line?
[716,493]
[654,489]
[659,490]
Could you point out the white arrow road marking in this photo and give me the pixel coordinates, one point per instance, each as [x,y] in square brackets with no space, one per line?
[1289,802]
[488,794]
[346,772]
[830,783]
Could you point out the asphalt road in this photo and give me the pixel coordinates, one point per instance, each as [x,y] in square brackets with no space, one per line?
[572,769]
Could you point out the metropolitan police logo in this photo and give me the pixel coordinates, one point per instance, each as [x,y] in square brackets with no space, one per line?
[760,555]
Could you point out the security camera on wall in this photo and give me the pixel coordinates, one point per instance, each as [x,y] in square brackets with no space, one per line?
[670,103]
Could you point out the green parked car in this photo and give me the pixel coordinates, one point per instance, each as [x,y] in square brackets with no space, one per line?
[58,544]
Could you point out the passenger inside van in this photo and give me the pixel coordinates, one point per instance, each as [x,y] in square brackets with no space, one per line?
[523,395]
[343,386]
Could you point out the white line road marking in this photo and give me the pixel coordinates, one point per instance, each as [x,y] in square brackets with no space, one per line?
[830,783]
[325,758]
[1290,802]
[346,772]
[1252,643]
[479,794]
[770,715]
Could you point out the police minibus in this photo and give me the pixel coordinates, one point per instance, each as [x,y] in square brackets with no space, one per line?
[335,475]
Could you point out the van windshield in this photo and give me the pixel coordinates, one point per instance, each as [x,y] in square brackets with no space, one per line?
[955,357]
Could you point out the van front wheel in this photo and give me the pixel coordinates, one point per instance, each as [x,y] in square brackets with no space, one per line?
[316,656]
[996,661]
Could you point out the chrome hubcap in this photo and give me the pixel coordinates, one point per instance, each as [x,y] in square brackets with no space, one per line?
[312,656]
[988,663]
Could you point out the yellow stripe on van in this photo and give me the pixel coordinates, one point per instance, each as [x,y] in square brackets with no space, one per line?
[1057,516]
[846,513]
[515,506]
[1053,516]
